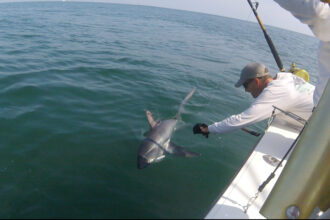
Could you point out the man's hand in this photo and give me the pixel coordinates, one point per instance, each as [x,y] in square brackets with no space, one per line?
[201,128]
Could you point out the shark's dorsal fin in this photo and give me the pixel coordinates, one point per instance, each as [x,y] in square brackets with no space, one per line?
[151,120]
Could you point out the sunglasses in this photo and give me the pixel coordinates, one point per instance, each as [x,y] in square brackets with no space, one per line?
[247,82]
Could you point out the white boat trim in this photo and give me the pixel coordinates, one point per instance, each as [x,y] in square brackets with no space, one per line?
[243,189]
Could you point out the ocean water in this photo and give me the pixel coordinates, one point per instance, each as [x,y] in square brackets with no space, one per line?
[75,81]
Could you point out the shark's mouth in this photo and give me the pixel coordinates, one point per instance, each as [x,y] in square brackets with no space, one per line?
[142,162]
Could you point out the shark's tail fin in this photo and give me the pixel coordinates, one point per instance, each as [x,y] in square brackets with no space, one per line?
[178,115]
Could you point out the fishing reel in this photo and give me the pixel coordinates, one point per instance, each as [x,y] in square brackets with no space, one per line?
[299,72]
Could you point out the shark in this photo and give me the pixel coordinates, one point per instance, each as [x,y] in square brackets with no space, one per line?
[157,143]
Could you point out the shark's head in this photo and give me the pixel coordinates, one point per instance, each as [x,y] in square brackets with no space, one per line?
[149,152]
[142,162]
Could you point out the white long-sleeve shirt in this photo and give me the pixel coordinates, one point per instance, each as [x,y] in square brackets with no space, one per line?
[287,92]
[316,15]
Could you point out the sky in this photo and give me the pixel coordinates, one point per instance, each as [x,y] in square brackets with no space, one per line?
[269,11]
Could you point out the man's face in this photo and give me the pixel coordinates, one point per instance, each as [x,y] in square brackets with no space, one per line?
[252,86]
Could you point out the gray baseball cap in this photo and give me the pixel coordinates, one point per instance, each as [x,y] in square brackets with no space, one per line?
[251,71]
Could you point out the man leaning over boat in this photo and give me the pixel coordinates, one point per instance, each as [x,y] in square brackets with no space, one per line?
[285,91]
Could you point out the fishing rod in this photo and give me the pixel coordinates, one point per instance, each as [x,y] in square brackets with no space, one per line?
[269,41]
[254,133]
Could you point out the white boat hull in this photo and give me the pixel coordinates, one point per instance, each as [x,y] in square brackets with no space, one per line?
[238,201]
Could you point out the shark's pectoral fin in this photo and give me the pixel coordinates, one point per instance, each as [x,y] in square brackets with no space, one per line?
[179,151]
